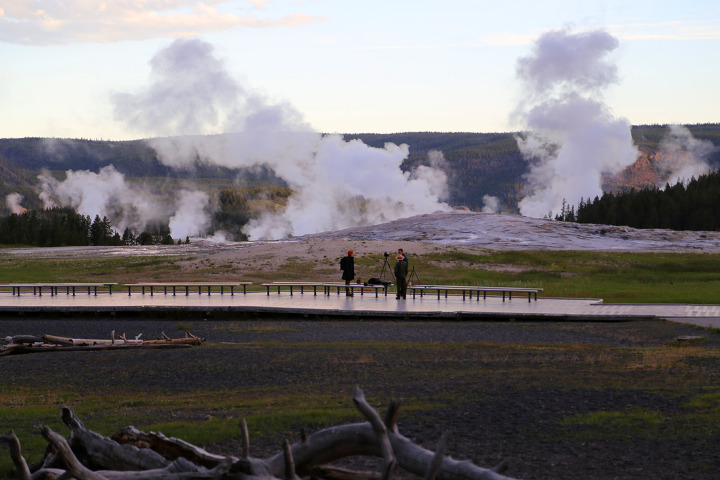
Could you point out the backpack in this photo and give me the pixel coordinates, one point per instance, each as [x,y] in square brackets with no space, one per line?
[377,281]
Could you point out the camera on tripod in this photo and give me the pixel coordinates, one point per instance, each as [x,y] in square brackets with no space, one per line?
[386,254]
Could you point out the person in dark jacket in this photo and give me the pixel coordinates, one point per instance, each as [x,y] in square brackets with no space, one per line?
[401,271]
[347,265]
[405,259]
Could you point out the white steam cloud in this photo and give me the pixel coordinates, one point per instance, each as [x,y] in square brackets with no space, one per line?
[107,194]
[682,156]
[13,201]
[191,218]
[572,137]
[491,204]
[337,184]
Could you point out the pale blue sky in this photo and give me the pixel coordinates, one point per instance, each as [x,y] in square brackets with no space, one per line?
[349,66]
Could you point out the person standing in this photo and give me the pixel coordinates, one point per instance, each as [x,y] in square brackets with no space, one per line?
[401,271]
[405,259]
[347,265]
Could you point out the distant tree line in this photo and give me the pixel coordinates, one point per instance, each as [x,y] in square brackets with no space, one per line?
[63,226]
[694,205]
[57,227]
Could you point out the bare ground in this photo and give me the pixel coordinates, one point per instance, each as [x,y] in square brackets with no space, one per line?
[504,390]
[438,232]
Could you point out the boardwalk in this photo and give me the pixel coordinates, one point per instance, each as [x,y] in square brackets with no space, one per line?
[358,306]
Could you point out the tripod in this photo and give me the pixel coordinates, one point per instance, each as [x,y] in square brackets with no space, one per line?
[413,273]
[386,264]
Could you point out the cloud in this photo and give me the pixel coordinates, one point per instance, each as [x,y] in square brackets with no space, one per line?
[670,30]
[31,22]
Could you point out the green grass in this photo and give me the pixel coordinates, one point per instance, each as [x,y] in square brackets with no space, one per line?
[616,277]
[630,423]
[82,269]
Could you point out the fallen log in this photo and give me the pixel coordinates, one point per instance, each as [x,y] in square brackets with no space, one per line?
[134,455]
[20,344]
[81,342]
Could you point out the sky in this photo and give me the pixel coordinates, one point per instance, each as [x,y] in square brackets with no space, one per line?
[348,66]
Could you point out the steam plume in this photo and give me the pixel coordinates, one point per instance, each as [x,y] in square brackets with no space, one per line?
[572,137]
[337,184]
[191,218]
[491,204]
[13,201]
[107,194]
[682,156]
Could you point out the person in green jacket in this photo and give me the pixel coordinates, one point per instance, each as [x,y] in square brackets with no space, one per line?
[401,271]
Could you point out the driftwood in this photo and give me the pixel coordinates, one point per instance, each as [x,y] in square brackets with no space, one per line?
[134,455]
[52,343]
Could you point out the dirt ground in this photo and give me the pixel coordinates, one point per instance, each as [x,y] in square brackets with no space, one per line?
[504,390]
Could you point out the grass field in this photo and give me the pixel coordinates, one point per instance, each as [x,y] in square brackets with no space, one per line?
[616,277]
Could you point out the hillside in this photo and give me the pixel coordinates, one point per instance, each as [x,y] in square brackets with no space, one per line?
[477,164]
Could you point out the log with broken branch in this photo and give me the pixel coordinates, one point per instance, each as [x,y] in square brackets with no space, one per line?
[52,343]
[134,455]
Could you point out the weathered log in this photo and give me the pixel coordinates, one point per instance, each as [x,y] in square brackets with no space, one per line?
[82,342]
[107,453]
[51,343]
[391,415]
[45,348]
[87,450]
[170,448]
[380,431]
[333,443]
[23,339]
[437,459]
[176,341]
[74,467]
[16,454]
[245,439]
[289,473]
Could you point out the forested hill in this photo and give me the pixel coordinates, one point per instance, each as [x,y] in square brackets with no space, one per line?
[478,164]
[691,206]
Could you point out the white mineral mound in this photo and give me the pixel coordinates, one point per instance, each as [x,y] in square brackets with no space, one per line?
[515,232]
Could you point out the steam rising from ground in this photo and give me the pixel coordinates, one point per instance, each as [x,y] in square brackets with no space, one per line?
[491,204]
[13,201]
[572,137]
[107,194]
[682,156]
[337,184]
[104,194]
